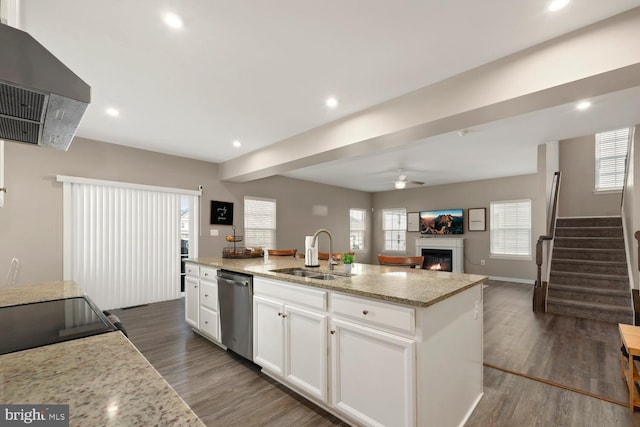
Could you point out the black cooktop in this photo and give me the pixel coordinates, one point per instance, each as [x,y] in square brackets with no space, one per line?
[42,323]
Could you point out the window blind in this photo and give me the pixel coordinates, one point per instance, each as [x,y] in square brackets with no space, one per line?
[511,228]
[394,226]
[611,156]
[357,228]
[260,222]
[122,242]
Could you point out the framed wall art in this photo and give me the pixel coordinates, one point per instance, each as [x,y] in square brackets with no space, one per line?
[221,213]
[477,219]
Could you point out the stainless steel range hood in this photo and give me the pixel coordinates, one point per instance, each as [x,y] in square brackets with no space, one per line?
[41,100]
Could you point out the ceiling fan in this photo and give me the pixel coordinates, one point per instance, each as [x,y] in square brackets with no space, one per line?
[402,182]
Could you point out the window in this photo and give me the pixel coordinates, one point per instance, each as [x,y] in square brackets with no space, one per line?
[357,228]
[611,156]
[394,225]
[511,228]
[260,222]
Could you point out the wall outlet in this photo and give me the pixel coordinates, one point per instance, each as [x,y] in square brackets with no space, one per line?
[482,262]
[213,232]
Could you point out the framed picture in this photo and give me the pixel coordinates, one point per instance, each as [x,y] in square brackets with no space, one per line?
[477,219]
[413,221]
[221,213]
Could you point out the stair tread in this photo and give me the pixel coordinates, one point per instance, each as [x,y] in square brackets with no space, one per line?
[593,290]
[589,275]
[589,261]
[587,238]
[573,227]
[586,304]
[608,250]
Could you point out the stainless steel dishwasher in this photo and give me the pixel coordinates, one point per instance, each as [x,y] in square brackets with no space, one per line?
[235,298]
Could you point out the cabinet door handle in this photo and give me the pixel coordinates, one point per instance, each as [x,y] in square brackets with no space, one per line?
[206,295]
[284,315]
[206,274]
[279,314]
[332,331]
[206,322]
[195,286]
[365,312]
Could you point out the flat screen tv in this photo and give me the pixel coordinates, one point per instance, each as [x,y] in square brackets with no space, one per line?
[439,222]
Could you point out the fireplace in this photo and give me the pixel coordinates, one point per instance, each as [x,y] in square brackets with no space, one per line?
[451,248]
[437,259]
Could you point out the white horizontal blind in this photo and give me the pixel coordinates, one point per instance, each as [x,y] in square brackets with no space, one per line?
[122,245]
[260,222]
[611,155]
[357,228]
[394,226]
[511,228]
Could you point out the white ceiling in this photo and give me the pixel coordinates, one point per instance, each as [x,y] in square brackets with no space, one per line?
[259,72]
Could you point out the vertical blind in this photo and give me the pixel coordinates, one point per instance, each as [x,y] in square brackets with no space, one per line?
[394,226]
[122,245]
[611,156]
[511,228]
[260,222]
[357,228]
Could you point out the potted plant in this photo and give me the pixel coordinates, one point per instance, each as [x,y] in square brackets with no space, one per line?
[347,260]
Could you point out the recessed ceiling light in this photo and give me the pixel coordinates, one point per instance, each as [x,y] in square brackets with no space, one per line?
[112,112]
[173,20]
[583,105]
[557,5]
[331,102]
[237,143]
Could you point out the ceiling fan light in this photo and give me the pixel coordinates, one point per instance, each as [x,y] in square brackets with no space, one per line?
[400,185]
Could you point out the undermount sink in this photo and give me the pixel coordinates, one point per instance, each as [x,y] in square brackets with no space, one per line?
[310,273]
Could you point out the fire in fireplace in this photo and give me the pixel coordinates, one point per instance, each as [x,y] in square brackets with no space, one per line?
[437,259]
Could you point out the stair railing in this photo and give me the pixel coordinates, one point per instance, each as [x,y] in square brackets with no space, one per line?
[540,290]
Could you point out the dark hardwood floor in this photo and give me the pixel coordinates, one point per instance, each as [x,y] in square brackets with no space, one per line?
[226,390]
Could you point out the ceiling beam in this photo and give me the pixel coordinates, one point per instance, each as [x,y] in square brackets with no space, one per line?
[592,61]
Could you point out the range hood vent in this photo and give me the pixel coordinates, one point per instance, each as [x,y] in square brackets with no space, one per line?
[41,100]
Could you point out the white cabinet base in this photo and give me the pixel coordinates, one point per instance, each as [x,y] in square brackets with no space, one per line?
[373,375]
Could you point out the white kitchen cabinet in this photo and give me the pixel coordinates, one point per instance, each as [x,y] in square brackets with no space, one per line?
[290,335]
[373,374]
[191,300]
[201,301]
[305,350]
[209,316]
[268,334]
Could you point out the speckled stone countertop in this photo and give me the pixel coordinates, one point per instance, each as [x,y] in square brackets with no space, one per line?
[104,379]
[419,288]
[37,292]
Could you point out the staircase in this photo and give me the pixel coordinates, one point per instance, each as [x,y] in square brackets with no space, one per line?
[589,276]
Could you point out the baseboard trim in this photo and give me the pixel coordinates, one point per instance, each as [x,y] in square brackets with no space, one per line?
[513,279]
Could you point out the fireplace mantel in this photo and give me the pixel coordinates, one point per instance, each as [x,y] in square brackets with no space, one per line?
[455,244]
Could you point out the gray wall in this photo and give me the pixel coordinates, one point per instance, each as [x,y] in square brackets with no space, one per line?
[578,165]
[31,220]
[476,194]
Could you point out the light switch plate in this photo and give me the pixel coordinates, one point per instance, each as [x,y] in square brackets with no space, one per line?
[213,232]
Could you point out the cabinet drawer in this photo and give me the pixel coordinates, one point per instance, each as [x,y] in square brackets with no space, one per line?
[209,322]
[208,273]
[296,294]
[191,269]
[374,313]
[209,295]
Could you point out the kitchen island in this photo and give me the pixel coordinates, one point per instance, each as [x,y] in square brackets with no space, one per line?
[381,346]
[103,378]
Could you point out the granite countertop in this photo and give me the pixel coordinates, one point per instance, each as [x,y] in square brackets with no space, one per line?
[419,288]
[103,378]
[37,292]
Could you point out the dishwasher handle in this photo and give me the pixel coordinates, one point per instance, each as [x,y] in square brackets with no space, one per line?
[234,279]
